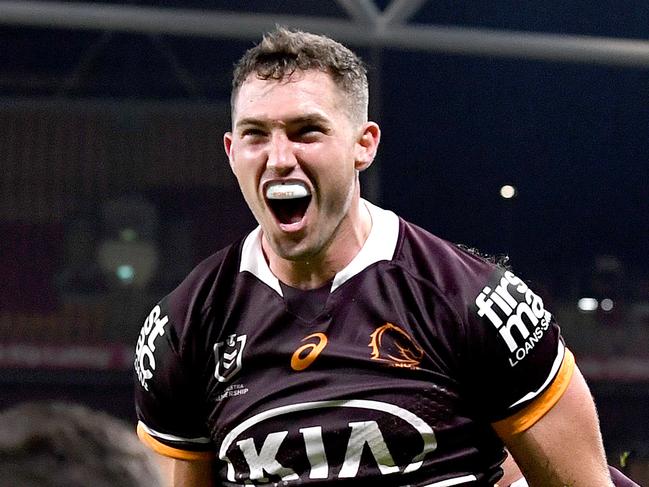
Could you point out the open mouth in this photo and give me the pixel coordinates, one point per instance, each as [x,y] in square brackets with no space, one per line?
[288,201]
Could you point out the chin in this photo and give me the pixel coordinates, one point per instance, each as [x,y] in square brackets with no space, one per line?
[296,254]
[294,251]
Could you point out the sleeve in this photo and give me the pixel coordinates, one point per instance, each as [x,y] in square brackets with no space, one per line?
[517,366]
[169,405]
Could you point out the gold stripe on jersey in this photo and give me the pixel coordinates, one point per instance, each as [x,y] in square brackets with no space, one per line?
[534,411]
[168,451]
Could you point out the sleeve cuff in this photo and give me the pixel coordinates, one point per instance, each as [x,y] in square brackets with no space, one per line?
[534,411]
[168,451]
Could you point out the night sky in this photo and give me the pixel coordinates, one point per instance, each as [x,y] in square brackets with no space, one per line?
[571,138]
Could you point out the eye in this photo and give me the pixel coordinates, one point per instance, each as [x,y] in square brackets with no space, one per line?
[252,133]
[310,132]
[310,129]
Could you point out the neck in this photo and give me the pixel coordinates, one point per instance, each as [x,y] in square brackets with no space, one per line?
[317,270]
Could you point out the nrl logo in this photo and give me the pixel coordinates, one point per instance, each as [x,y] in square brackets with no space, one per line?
[228,357]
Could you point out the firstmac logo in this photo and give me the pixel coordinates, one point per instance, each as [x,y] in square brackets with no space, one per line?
[512,305]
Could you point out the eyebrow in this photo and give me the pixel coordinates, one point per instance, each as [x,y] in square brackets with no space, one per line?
[299,120]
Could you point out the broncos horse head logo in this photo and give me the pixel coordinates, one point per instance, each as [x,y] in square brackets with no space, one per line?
[392,344]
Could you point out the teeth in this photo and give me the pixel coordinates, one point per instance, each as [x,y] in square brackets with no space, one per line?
[286,191]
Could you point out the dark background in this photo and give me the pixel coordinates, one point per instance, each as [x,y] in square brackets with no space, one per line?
[89,116]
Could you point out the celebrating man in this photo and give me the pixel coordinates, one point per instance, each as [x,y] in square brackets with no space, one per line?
[338,344]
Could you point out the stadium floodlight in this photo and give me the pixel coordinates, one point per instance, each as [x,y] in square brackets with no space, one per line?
[128,254]
[587,305]
[607,304]
[128,263]
[508,191]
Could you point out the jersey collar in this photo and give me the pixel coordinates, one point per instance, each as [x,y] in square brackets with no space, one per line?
[380,245]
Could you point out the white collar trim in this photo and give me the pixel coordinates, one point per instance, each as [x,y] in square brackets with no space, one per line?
[380,245]
[253,261]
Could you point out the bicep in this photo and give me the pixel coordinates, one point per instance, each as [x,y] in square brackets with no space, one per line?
[564,447]
[183,473]
[169,400]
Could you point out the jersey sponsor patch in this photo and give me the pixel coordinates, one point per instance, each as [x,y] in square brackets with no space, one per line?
[254,451]
[390,343]
[516,312]
[152,330]
[228,357]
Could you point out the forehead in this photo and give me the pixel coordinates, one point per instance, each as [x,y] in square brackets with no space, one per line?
[302,92]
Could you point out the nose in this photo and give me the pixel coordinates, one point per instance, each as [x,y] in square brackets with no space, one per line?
[281,158]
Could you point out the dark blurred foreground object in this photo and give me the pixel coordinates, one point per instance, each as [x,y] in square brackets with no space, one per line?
[58,444]
[620,480]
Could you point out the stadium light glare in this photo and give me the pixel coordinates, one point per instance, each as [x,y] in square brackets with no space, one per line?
[607,304]
[587,305]
[125,273]
[128,234]
[508,191]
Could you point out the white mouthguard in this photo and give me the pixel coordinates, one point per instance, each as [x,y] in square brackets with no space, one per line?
[286,191]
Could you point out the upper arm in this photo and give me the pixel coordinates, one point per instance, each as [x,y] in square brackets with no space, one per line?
[512,351]
[564,447]
[539,402]
[182,473]
[169,400]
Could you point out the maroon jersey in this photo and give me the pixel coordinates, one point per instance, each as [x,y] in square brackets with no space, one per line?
[395,374]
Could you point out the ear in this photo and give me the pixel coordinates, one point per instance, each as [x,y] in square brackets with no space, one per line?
[366,145]
[227,144]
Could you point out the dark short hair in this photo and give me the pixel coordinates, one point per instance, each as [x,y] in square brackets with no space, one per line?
[55,444]
[283,52]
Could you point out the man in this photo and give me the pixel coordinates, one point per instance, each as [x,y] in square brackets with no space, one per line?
[338,344]
[55,444]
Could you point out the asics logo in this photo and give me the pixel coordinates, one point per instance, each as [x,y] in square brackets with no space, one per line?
[307,353]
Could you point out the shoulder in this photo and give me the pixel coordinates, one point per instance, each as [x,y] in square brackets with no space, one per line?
[187,306]
[176,321]
[453,268]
